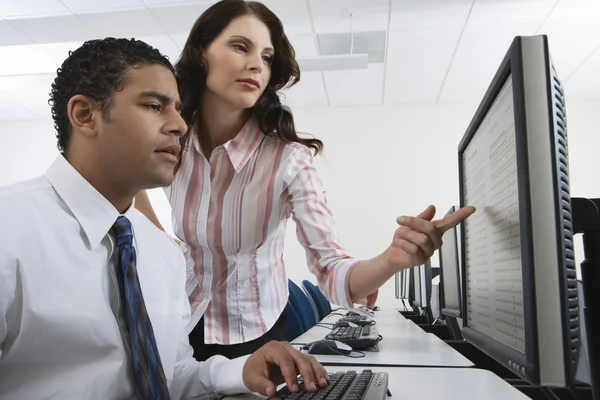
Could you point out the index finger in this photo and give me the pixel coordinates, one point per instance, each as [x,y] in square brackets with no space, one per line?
[450,221]
[286,364]
[304,366]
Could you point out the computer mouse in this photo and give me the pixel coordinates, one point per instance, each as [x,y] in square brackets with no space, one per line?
[325,346]
[339,324]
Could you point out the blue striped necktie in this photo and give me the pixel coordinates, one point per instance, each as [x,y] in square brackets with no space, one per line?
[148,375]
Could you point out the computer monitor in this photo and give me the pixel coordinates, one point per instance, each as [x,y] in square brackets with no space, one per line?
[416,276]
[450,273]
[422,282]
[519,279]
[405,289]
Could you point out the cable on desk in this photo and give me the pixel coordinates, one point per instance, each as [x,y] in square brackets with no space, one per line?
[574,393]
[549,393]
[325,325]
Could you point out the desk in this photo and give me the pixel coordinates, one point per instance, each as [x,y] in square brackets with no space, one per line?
[436,383]
[403,344]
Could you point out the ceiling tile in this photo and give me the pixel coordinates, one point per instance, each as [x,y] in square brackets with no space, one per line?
[164,44]
[585,82]
[126,24]
[424,45]
[179,39]
[468,81]
[60,51]
[371,16]
[309,92]
[477,58]
[78,6]
[179,19]
[423,14]
[500,12]
[26,59]
[570,43]
[416,82]
[293,14]
[54,29]
[161,3]
[304,45]
[10,111]
[575,10]
[478,43]
[28,91]
[10,36]
[355,87]
[28,8]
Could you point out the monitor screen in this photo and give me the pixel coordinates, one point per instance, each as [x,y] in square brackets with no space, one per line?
[450,273]
[494,275]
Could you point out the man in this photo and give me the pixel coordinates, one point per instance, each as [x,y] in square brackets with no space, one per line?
[92,295]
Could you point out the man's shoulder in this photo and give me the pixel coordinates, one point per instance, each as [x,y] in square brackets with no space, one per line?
[24,189]
[19,197]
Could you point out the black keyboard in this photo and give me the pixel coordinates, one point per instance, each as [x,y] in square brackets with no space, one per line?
[348,385]
[358,319]
[358,337]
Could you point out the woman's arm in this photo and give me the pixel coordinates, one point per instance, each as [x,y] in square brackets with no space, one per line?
[142,203]
[316,230]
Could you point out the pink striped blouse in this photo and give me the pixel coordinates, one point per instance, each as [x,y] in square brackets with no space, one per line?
[231,211]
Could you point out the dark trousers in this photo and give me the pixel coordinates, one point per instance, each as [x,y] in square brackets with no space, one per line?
[203,351]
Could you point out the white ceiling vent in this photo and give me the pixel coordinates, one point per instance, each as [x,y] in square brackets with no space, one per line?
[370,43]
[343,51]
[340,51]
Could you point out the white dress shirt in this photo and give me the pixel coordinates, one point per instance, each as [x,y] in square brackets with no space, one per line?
[60,312]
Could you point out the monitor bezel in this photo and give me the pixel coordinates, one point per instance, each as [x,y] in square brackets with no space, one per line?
[523,364]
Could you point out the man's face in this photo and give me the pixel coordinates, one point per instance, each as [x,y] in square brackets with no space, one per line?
[139,141]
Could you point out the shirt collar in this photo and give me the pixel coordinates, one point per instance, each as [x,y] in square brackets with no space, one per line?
[242,146]
[94,212]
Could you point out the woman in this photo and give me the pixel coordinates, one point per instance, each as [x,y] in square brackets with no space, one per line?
[243,172]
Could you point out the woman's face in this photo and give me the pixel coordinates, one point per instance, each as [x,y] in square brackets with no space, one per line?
[239,63]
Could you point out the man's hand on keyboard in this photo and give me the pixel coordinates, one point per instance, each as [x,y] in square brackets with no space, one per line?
[278,362]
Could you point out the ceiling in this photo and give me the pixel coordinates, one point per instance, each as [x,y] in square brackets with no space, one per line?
[436,51]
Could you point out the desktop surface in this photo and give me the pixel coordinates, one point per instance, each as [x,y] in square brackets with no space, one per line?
[403,344]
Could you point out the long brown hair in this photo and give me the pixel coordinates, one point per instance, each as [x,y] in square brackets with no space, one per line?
[271,116]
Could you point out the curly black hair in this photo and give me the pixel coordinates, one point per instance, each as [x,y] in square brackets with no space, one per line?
[97,69]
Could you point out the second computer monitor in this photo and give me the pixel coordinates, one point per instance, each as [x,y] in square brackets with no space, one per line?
[422,283]
[450,273]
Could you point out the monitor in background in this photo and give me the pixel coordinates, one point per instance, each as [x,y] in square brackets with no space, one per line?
[422,281]
[399,284]
[416,276]
[450,273]
[405,289]
[519,282]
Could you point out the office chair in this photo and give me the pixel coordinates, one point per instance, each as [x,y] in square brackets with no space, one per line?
[322,304]
[293,326]
[312,304]
[301,305]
